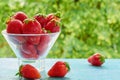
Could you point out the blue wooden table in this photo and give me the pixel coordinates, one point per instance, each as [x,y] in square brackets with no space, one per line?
[80,69]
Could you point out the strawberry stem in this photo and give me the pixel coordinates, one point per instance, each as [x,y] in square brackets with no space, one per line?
[18,73]
[40,14]
[67,65]
[26,21]
[57,14]
[48,31]
[102,59]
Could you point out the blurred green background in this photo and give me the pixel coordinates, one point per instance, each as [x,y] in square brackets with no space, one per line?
[88,26]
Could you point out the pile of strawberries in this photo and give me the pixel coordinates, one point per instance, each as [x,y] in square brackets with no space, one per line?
[32,46]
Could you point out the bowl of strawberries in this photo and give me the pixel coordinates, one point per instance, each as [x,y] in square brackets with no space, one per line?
[31,39]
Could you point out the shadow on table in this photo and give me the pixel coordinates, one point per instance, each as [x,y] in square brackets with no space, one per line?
[65,78]
[97,67]
[48,78]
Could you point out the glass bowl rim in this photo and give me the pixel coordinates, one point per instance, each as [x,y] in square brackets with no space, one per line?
[11,34]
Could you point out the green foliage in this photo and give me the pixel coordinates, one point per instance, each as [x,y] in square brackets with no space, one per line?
[88,26]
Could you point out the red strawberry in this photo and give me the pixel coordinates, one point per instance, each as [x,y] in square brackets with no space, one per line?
[32,27]
[33,39]
[44,38]
[42,48]
[29,51]
[20,16]
[52,16]
[96,59]
[55,29]
[50,25]
[43,44]
[29,72]
[41,19]
[14,26]
[59,69]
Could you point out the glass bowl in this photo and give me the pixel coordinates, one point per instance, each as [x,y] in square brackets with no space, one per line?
[31,48]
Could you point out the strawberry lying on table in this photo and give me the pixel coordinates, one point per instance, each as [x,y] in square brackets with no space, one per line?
[29,72]
[96,59]
[59,69]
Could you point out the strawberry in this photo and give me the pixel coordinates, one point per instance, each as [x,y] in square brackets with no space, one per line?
[96,59]
[52,16]
[29,72]
[44,38]
[41,48]
[32,27]
[20,16]
[43,44]
[41,19]
[28,51]
[51,25]
[59,69]
[33,39]
[55,29]
[14,26]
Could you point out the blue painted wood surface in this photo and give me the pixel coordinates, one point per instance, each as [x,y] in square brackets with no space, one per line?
[80,69]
